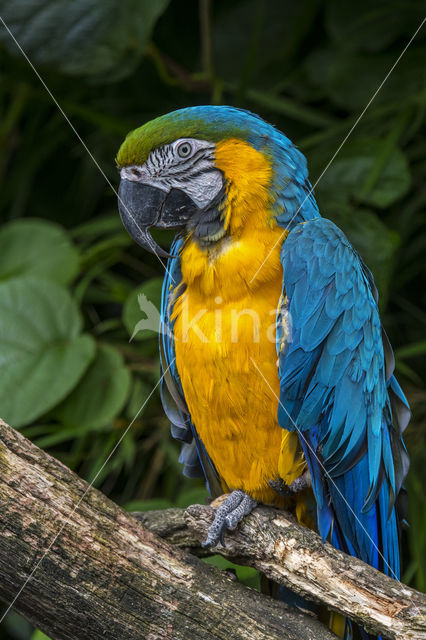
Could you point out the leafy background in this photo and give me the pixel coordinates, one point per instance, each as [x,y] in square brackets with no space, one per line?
[69,274]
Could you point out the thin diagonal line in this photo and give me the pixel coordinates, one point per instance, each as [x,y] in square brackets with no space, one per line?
[357,121]
[79,137]
[329,479]
[62,527]
[159,381]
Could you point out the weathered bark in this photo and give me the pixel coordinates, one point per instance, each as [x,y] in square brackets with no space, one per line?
[273,542]
[105,575]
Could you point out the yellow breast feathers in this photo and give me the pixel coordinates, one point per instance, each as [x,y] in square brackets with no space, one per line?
[225,322]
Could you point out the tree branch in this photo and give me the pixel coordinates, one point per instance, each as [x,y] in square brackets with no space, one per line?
[107,576]
[271,541]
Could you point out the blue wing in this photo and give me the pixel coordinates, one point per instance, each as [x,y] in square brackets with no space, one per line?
[196,462]
[338,390]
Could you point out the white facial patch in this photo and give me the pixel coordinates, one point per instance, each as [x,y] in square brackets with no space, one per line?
[186,164]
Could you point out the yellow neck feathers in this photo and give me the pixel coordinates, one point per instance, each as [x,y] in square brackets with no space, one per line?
[230,268]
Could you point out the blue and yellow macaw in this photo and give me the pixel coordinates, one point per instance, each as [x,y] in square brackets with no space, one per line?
[255,271]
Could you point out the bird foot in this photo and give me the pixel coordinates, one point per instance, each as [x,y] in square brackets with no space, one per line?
[285,490]
[237,505]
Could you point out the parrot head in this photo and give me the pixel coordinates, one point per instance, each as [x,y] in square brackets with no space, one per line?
[186,168]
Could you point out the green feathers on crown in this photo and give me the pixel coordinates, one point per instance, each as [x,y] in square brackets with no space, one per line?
[210,123]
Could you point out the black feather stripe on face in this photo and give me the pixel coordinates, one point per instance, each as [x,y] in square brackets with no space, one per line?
[207,224]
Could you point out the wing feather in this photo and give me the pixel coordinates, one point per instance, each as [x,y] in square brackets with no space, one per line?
[337,389]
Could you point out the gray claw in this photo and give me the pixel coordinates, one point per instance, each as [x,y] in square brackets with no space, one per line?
[302,482]
[237,505]
[246,505]
[284,489]
[280,487]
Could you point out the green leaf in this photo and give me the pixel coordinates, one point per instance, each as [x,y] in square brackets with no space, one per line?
[371,26]
[39,248]
[246,575]
[107,224]
[128,452]
[39,635]
[412,350]
[141,312]
[100,394]
[290,108]
[348,173]
[195,495]
[417,512]
[59,436]
[138,396]
[253,39]
[153,504]
[351,79]
[83,37]
[16,627]
[401,368]
[43,354]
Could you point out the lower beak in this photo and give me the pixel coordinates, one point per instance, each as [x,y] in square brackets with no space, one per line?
[142,206]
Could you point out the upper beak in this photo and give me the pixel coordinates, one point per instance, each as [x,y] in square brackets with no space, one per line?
[142,206]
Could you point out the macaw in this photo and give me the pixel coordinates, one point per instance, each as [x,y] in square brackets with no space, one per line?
[277,375]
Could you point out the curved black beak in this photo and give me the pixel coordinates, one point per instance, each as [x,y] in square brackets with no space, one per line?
[142,206]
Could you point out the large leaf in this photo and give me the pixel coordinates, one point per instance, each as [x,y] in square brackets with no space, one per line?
[42,353]
[141,313]
[100,394]
[351,79]
[253,38]
[348,174]
[82,37]
[37,247]
[372,25]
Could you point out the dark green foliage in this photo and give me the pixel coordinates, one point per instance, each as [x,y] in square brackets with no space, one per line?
[71,378]
[84,37]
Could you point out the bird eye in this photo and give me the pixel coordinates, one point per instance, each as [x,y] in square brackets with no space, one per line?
[184,150]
